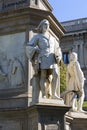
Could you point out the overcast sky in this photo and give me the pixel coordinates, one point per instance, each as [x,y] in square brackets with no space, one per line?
[65,10]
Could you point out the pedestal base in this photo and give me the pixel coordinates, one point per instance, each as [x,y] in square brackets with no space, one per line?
[58,101]
[47,117]
[76,121]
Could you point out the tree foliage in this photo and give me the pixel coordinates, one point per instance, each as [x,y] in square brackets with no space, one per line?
[62,77]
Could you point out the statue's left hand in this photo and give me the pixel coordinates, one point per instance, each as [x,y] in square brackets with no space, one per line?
[37,49]
[58,60]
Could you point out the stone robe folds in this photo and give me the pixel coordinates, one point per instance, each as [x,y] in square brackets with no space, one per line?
[44,52]
[48,49]
[75,80]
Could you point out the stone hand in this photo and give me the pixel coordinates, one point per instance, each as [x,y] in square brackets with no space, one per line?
[37,49]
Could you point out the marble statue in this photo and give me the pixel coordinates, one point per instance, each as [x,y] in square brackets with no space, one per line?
[75,82]
[45,55]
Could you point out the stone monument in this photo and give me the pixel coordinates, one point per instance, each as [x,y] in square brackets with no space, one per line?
[75,83]
[45,55]
[18,19]
[76,117]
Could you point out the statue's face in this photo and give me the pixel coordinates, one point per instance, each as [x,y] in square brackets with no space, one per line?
[73,57]
[45,27]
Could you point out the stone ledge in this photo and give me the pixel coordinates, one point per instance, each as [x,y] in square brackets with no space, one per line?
[77,114]
[52,101]
[55,102]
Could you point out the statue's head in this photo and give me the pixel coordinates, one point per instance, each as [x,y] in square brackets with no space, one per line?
[73,56]
[43,26]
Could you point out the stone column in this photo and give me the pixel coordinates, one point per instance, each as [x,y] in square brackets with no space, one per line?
[75,48]
[85,57]
[81,55]
[78,48]
[81,51]
[75,45]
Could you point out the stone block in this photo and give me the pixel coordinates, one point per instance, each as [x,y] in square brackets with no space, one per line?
[47,116]
[76,121]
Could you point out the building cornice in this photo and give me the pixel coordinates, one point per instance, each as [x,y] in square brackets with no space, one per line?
[31,13]
[48,5]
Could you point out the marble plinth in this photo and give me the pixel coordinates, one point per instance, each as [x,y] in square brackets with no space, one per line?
[47,116]
[58,101]
[76,121]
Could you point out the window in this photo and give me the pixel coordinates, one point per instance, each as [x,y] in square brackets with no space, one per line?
[66,57]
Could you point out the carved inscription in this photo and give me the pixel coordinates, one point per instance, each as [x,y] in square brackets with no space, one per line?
[9,4]
[15,4]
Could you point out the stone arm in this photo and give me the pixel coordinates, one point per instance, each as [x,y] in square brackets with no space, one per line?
[67,79]
[32,47]
[58,52]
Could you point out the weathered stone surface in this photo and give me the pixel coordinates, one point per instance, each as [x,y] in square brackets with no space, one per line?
[47,117]
[76,121]
[17,20]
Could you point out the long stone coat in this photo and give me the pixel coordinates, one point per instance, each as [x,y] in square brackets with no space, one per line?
[74,79]
[47,48]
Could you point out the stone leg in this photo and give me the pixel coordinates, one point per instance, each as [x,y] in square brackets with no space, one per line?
[80,102]
[48,87]
[55,84]
[74,104]
[43,82]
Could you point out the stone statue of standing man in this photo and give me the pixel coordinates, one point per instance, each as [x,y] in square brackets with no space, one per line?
[45,55]
[75,82]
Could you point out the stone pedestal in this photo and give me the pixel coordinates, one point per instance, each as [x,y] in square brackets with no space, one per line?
[43,116]
[76,121]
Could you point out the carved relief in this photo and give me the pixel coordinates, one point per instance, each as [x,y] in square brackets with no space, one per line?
[2,61]
[9,4]
[12,61]
[3,68]
[16,74]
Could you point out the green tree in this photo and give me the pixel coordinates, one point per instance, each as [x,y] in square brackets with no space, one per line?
[62,77]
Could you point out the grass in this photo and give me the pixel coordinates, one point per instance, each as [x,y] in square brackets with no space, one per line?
[85,104]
